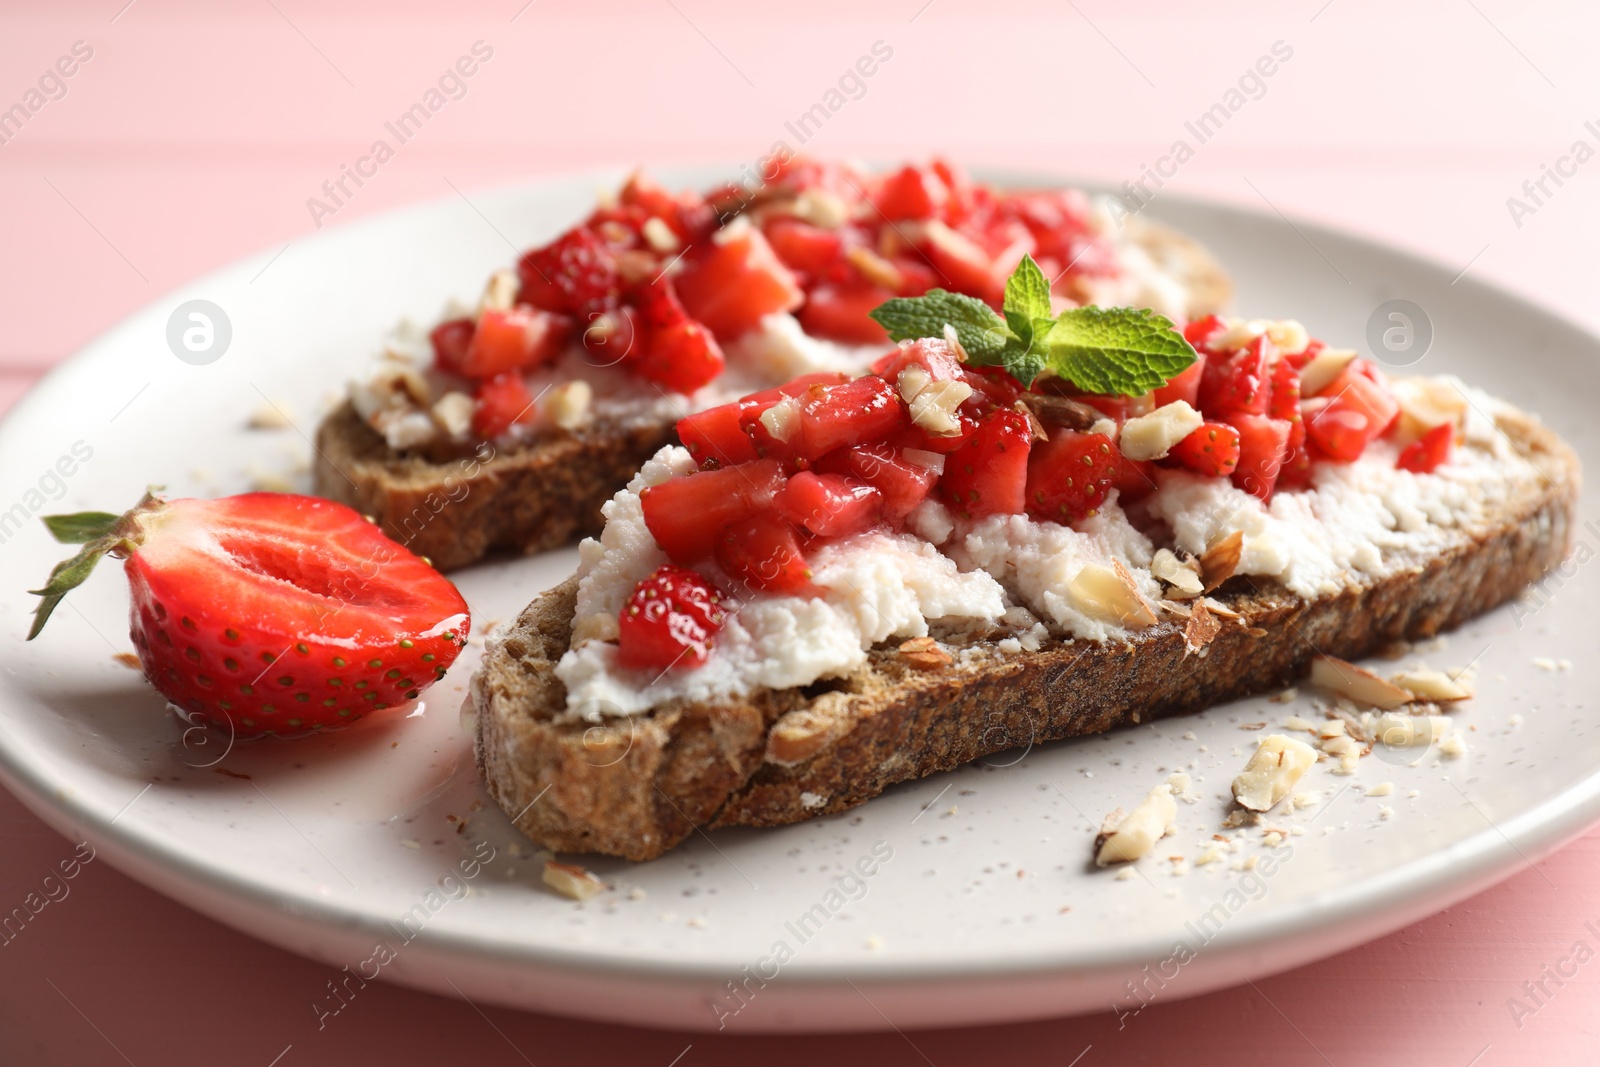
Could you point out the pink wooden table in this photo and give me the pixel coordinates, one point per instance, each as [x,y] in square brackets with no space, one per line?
[187,136]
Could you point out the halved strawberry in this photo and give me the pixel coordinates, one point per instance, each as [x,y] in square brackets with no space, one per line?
[685,515]
[735,280]
[830,505]
[1070,476]
[989,474]
[1212,450]
[763,553]
[1263,446]
[1424,455]
[575,274]
[269,612]
[671,620]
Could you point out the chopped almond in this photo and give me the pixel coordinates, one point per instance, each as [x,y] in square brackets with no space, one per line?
[925,654]
[1109,593]
[501,292]
[1202,630]
[1182,575]
[1135,835]
[570,881]
[1323,368]
[1152,436]
[1432,685]
[1273,771]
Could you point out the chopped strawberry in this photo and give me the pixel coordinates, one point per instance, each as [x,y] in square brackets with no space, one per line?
[1356,411]
[671,620]
[450,342]
[273,613]
[673,349]
[686,514]
[1212,450]
[611,337]
[1199,332]
[903,483]
[797,386]
[1263,446]
[931,354]
[830,505]
[864,410]
[1238,383]
[718,435]
[500,403]
[1285,402]
[991,386]
[962,264]
[763,552]
[1114,408]
[1184,386]
[911,193]
[735,280]
[1424,455]
[803,247]
[989,474]
[575,274]
[839,313]
[1070,476]
[513,340]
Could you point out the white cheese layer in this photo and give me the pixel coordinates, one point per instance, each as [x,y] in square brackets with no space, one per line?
[1358,523]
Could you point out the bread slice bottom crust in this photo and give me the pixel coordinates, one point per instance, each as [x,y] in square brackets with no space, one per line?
[547,493]
[635,787]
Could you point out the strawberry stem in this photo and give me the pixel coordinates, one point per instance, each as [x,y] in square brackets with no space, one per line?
[100,533]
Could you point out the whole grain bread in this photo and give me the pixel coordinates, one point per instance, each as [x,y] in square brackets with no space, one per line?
[635,787]
[456,505]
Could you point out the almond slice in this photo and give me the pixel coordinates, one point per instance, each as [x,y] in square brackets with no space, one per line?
[1109,593]
[501,292]
[1323,368]
[1182,575]
[925,654]
[1357,683]
[1202,630]
[1218,562]
[570,881]
[1152,436]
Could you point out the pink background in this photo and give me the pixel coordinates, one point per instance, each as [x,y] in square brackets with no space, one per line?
[195,134]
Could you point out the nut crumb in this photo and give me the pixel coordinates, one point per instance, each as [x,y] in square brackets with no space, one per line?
[571,881]
[1286,697]
[925,654]
[1382,789]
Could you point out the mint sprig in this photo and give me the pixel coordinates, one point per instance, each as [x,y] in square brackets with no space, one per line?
[1127,351]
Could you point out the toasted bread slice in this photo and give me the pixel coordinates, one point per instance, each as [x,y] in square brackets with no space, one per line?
[637,786]
[455,509]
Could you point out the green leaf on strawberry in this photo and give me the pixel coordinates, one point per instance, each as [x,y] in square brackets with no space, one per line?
[1117,351]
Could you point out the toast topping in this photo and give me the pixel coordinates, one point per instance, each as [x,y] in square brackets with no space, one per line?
[1275,768]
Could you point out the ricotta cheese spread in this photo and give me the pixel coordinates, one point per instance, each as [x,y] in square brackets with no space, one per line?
[1357,523]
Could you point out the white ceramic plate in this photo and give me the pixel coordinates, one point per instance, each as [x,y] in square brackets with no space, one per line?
[980,905]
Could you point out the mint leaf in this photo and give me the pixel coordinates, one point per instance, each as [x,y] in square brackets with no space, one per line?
[1127,351]
[1027,299]
[981,332]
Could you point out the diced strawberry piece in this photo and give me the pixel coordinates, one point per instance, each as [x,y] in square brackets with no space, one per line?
[500,403]
[1356,411]
[611,337]
[929,353]
[1136,479]
[1296,470]
[1114,408]
[966,416]
[733,281]
[963,265]
[991,387]
[911,193]
[840,313]
[1212,450]
[830,505]
[1184,386]
[989,474]
[916,273]
[576,274]
[1070,476]
[673,349]
[450,342]
[961,202]
[802,246]
[903,483]
[1424,455]
[513,340]
[671,621]
[1299,359]
[717,435]
[1200,331]
[686,514]
[866,409]
[1263,446]
[764,553]
[1240,383]
[796,387]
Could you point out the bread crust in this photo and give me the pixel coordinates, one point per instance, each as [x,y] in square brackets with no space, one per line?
[638,786]
[456,509]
